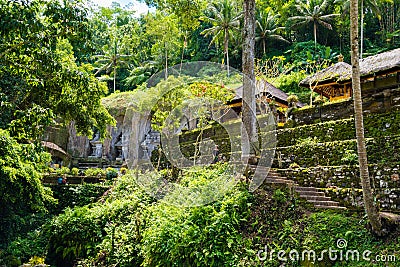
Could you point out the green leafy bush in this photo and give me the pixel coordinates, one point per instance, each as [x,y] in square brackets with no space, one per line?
[124,228]
[350,157]
[289,83]
[75,195]
[95,172]
[74,171]
[31,245]
[78,232]
[20,184]
[111,173]
[63,170]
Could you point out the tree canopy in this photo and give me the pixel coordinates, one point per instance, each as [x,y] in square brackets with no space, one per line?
[41,78]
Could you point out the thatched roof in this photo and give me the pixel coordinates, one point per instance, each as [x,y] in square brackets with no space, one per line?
[53,147]
[369,66]
[264,88]
[376,64]
[330,74]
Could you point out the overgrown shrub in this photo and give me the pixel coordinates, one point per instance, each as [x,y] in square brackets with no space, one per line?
[98,172]
[74,171]
[111,173]
[75,195]
[62,170]
[22,192]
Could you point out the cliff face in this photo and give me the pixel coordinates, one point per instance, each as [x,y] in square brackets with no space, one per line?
[58,135]
[129,141]
[78,146]
[134,131]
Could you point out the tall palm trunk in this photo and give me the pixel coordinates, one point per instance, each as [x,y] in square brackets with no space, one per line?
[166,62]
[115,62]
[263,42]
[183,52]
[362,29]
[248,100]
[226,48]
[115,74]
[370,208]
[315,38]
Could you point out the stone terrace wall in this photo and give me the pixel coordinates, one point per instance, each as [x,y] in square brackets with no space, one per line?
[321,150]
[311,154]
[381,102]
[375,125]
[342,183]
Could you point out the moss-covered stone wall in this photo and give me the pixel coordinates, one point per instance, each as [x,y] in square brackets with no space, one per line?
[379,102]
[375,125]
[311,154]
[342,183]
[325,154]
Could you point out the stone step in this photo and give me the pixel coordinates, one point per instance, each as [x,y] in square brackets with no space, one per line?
[305,189]
[275,176]
[88,165]
[310,193]
[324,203]
[276,181]
[316,198]
[330,207]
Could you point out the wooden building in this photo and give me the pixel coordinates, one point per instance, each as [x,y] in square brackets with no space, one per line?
[266,95]
[264,92]
[378,73]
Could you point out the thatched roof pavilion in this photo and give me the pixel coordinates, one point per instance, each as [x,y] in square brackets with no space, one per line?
[331,74]
[378,72]
[327,82]
[266,92]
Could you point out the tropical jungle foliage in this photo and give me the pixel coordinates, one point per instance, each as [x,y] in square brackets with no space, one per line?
[58,59]
[131,227]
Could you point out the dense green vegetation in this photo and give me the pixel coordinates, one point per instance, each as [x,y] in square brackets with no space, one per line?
[58,61]
[20,184]
[125,48]
[132,228]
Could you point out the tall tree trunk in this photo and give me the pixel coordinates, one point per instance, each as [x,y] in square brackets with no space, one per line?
[362,29]
[315,38]
[226,48]
[370,208]
[115,74]
[166,62]
[263,45]
[183,52]
[248,100]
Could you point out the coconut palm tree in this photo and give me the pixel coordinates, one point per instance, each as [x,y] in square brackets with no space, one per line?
[365,4]
[370,208]
[140,74]
[225,21]
[313,11]
[267,29]
[110,61]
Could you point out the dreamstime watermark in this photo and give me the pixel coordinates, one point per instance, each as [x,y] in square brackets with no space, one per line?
[188,112]
[339,253]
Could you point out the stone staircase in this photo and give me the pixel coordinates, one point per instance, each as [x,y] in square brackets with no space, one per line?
[310,194]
